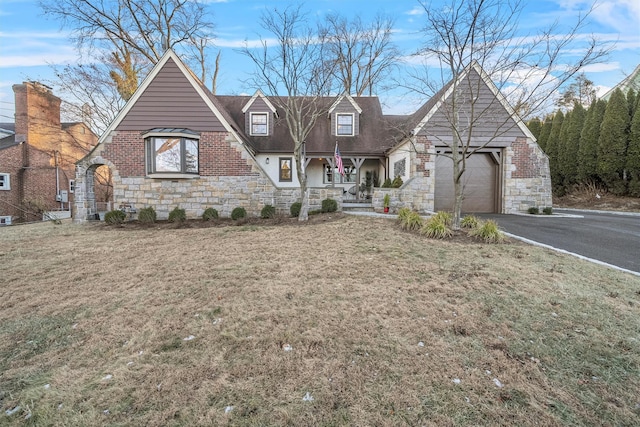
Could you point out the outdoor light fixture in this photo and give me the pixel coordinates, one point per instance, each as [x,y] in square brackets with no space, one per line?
[267,161]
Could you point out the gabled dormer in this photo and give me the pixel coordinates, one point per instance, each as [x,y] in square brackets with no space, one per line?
[345,116]
[259,113]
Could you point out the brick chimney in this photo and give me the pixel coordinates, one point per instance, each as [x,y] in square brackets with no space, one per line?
[37,114]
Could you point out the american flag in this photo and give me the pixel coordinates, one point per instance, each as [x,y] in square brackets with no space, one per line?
[338,158]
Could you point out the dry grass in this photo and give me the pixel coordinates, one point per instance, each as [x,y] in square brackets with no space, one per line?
[380,323]
[592,197]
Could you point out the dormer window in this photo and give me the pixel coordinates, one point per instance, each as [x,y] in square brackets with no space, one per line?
[344,124]
[259,124]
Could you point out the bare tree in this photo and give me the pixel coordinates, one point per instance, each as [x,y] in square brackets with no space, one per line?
[581,91]
[526,70]
[135,35]
[364,55]
[91,95]
[214,79]
[293,67]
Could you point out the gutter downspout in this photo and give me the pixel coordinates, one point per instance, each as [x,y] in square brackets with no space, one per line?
[55,159]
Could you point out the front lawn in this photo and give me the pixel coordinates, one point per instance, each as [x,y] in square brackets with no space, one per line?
[346,321]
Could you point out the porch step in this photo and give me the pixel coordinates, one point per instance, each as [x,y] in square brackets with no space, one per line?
[357,207]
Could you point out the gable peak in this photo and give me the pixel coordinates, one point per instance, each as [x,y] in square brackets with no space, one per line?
[349,98]
[255,96]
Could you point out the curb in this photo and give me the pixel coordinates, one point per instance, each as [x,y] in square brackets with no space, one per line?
[600,212]
[562,251]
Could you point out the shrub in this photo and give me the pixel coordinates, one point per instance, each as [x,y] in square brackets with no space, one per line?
[329,205]
[209,213]
[315,212]
[437,227]
[411,222]
[147,215]
[469,221]
[386,183]
[238,213]
[177,215]
[268,211]
[533,210]
[444,217]
[488,232]
[397,182]
[295,209]
[115,216]
[403,213]
[548,210]
[386,200]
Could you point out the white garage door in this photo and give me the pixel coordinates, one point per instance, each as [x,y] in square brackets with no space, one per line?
[480,182]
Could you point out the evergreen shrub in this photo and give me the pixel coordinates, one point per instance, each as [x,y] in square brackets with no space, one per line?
[238,213]
[115,216]
[329,205]
[147,215]
[209,214]
[177,215]
[268,211]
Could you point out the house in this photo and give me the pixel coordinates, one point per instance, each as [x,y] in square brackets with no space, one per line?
[37,156]
[632,81]
[175,144]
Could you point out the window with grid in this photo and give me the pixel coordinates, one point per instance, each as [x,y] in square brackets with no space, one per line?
[344,123]
[259,124]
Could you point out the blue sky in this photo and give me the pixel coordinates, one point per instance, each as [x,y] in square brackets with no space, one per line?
[30,43]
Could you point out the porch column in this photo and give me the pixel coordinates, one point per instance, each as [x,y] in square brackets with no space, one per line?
[332,164]
[357,162]
[80,211]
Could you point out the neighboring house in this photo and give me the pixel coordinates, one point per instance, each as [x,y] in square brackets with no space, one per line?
[38,155]
[175,144]
[632,81]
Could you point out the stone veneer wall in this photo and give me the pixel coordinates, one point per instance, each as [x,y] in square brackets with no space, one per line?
[221,193]
[527,179]
[229,178]
[416,193]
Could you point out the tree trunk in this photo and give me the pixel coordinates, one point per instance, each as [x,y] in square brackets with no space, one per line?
[458,190]
[458,160]
[214,82]
[302,179]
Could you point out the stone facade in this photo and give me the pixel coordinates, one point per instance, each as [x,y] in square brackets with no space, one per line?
[417,192]
[233,167]
[527,180]
[229,178]
[195,195]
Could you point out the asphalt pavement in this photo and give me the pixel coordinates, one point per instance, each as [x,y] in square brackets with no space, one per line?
[608,237]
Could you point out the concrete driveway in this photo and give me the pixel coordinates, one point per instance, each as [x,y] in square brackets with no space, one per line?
[611,238]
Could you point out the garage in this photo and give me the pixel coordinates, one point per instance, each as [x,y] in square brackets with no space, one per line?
[480,183]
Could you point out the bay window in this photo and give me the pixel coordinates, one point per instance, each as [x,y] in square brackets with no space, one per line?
[172,154]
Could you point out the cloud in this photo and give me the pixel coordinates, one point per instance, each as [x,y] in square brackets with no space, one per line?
[621,16]
[601,90]
[241,43]
[31,60]
[29,35]
[601,68]
[38,48]
[416,11]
